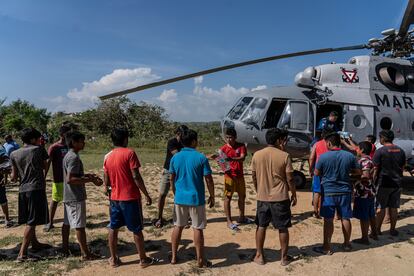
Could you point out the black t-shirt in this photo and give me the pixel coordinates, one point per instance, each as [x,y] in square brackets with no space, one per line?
[172,145]
[390,161]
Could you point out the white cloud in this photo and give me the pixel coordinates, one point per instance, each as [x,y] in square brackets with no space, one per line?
[201,104]
[79,99]
[198,80]
[168,96]
[259,87]
[119,79]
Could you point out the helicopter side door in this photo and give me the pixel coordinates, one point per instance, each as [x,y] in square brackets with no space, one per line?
[298,119]
[359,121]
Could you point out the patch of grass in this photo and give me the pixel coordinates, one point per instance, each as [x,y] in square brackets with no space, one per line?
[8,240]
[410,241]
[396,245]
[397,256]
[54,266]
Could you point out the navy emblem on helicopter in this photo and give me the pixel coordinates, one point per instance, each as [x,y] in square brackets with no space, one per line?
[349,76]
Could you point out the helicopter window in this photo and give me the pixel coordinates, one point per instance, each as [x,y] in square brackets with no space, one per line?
[239,108]
[274,112]
[255,112]
[295,116]
[359,121]
[386,123]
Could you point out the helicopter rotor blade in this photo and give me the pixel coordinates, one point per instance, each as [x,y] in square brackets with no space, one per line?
[231,66]
[407,20]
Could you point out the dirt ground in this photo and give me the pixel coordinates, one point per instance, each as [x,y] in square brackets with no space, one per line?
[230,252]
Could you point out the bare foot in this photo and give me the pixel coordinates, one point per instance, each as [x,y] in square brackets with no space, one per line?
[204,263]
[286,261]
[259,260]
[114,262]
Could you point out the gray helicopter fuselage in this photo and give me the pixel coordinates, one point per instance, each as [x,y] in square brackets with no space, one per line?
[371,93]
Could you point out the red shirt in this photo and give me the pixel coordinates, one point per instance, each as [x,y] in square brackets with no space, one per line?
[236,167]
[320,148]
[371,154]
[118,164]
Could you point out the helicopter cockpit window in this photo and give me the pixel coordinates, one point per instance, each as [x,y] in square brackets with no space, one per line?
[239,108]
[295,116]
[255,112]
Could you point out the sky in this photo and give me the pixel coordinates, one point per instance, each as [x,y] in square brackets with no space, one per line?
[62,55]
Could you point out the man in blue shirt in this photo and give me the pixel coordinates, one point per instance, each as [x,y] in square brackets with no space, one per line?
[329,122]
[334,168]
[187,169]
[10,145]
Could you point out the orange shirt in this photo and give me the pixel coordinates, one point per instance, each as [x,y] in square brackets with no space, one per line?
[118,164]
[320,148]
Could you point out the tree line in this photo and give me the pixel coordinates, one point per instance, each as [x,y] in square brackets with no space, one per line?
[148,123]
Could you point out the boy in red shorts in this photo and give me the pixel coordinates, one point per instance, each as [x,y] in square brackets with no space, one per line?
[234,178]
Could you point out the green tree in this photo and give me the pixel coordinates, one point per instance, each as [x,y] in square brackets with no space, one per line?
[20,114]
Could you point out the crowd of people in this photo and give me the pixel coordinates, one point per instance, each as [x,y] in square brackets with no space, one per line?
[343,172]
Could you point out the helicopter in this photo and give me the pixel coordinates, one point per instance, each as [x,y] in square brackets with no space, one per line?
[369,94]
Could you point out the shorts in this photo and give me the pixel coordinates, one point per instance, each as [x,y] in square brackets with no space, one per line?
[57,191]
[277,212]
[234,185]
[126,213]
[316,184]
[165,183]
[181,213]
[388,197]
[364,208]
[33,209]
[75,214]
[340,203]
[3,197]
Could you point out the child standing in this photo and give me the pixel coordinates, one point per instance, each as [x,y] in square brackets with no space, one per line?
[234,178]
[74,194]
[364,193]
[121,167]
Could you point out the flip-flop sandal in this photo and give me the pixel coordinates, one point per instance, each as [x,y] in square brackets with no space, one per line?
[234,227]
[117,262]
[152,261]
[319,249]
[288,261]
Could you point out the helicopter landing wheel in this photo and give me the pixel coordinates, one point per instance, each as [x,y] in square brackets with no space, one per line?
[299,179]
